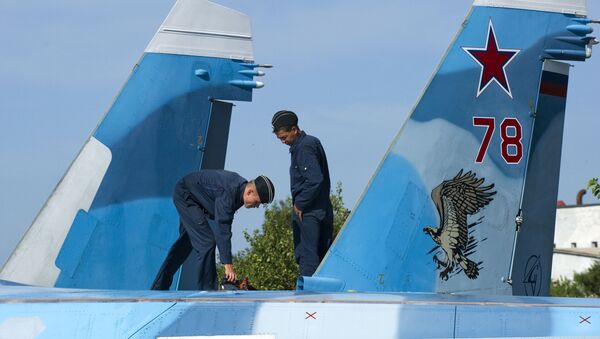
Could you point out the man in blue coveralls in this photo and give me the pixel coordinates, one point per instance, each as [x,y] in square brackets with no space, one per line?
[312,218]
[203,195]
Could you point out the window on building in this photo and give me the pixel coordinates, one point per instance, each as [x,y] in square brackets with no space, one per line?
[573,245]
[594,244]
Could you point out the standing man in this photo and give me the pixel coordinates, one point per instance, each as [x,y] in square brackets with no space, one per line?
[312,218]
[203,195]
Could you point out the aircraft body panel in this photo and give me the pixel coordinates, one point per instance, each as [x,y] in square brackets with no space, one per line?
[151,314]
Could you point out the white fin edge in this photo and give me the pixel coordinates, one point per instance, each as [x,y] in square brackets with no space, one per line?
[33,260]
[576,7]
[203,28]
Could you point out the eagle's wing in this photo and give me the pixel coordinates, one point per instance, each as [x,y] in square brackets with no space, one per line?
[461,196]
[453,232]
[436,196]
[466,192]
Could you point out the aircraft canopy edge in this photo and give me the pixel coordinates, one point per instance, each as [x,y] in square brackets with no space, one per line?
[576,7]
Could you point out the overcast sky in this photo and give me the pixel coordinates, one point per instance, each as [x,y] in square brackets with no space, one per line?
[352,69]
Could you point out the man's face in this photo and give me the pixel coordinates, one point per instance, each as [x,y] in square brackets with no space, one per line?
[251,199]
[287,137]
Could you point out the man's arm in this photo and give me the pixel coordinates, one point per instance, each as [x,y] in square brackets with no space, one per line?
[310,169]
[224,218]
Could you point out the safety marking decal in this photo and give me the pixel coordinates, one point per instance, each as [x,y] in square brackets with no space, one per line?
[310,315]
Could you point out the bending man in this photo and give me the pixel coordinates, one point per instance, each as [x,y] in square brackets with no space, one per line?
[203,195]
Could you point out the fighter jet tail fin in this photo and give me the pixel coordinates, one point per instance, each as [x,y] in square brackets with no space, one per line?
[469,183]
[110,221]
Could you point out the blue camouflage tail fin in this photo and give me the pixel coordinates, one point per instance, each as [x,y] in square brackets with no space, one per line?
[464,199]
[110,220]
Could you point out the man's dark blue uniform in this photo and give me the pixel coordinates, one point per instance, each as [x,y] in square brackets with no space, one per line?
[310,186]
[312,219]
[203,195]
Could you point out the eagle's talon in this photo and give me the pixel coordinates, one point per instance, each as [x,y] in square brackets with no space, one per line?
[438,263]
[444,276]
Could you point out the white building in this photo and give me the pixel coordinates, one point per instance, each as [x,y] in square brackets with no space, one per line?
[576,239]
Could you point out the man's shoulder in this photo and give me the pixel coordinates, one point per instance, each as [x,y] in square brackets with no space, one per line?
[219,173]
[310,140]
[230,174]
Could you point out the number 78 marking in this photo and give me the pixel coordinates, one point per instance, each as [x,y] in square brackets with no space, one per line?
[511,147]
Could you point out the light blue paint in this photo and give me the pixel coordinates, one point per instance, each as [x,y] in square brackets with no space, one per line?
[566,54]
[252,73]
[201,73]
[85,320]
[580,30]
[104,255]
[320,284]
[383,241]
[246,83]
[149,314]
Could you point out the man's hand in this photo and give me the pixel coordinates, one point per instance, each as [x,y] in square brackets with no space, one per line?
[298,212]
[230,273]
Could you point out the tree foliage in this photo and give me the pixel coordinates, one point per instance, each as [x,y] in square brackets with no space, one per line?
[585,284]
[269,261]
[564,287]
[594,186]
[589,280]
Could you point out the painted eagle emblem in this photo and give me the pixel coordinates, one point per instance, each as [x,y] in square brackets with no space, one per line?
[455,199]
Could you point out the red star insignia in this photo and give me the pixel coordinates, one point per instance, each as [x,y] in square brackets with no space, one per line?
[493,62]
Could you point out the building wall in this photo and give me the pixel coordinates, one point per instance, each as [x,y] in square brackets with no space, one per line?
[577,227]
[564,265]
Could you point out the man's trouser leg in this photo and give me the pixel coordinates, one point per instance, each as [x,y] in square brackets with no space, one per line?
[207,269]
[202,239]
[178,252]
[326,233]
[306,240]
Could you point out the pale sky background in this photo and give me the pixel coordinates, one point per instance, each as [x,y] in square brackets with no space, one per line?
[352,69]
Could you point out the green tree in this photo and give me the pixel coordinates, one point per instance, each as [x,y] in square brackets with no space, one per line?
[589,281]
[585,284]
[594,186]
[564,287]
[269,261]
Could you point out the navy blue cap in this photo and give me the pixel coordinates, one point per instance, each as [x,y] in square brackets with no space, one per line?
[284,119]
[265,189]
